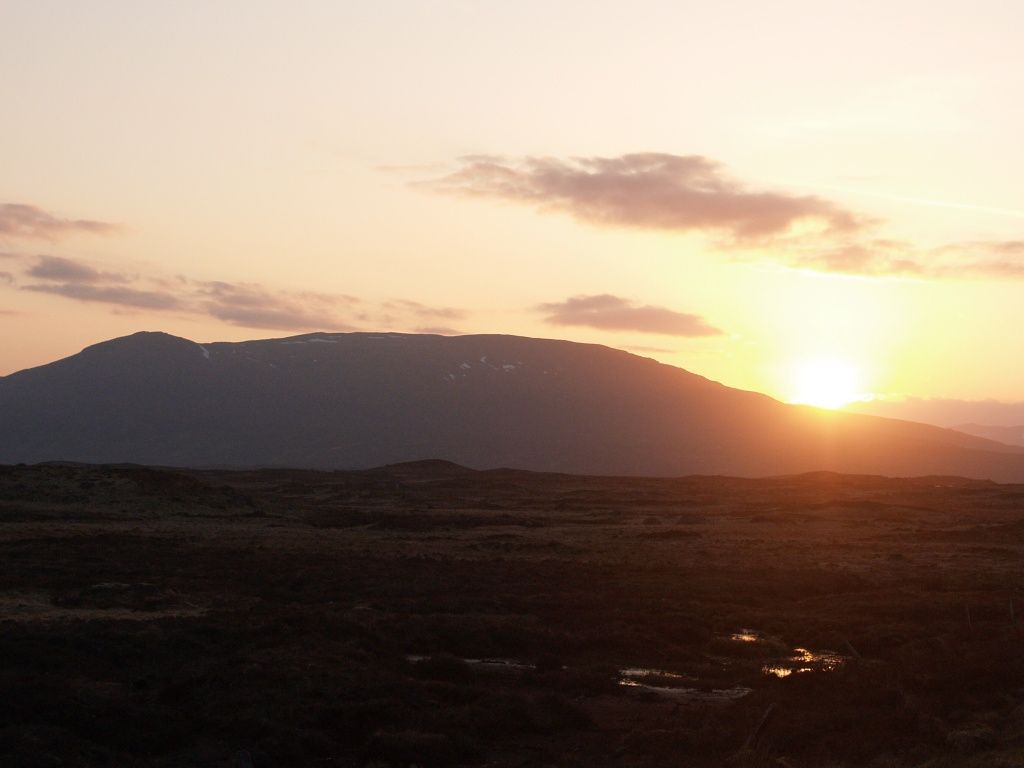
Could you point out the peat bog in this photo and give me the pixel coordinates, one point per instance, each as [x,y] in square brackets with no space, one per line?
[423,614]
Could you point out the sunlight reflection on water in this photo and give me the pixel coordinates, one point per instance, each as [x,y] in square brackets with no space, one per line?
[660,682]
[746,636]
[640,672]
[712,696]
[804,660]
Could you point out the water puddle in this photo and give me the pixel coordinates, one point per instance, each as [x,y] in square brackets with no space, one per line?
[636,673]
[499,665]
[746,636]
[804,660]
[676,686]
[482,665]
[777,671]
[697,695]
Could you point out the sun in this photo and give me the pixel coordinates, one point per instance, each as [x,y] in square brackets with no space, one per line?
[826,383]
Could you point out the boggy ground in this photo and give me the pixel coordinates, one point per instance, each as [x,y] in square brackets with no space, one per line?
[428,615]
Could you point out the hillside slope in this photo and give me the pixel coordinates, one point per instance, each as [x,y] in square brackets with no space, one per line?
[359,400]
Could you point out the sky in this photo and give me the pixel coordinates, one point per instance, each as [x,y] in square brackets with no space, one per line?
[762,193]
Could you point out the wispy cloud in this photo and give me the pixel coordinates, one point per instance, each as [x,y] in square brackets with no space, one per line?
[249,305]
[681,193]
[614,313]
[692,193]
[423,310]
[254,306]
[28,221]
[109,294]
[879,257]
[70,271]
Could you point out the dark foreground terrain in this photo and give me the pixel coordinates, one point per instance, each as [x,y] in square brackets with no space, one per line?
[428,615]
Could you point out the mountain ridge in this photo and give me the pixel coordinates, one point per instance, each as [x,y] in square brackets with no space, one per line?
[361,400]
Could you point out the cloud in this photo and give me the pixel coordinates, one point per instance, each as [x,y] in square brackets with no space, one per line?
[895,257]
[691,193]
[65,270]
[613,313]
[110,294]
[877,257]
[658,191]
[28,221]
[424,311]
[253,306]
[249,305]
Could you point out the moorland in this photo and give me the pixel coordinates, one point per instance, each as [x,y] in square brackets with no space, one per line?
[425,614]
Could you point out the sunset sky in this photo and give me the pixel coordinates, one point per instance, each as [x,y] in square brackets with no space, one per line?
[741,189]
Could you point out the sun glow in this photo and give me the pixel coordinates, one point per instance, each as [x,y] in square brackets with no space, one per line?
[826,383]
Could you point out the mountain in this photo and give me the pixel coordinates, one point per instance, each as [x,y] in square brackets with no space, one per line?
[945,412]
[1010,435]
[358,400]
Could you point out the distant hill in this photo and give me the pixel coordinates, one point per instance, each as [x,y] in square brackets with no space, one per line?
[1009,435]
[944,412]
[360,400]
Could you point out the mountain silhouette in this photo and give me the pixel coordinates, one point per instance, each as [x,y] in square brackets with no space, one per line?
[360,400]
[1012,435]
